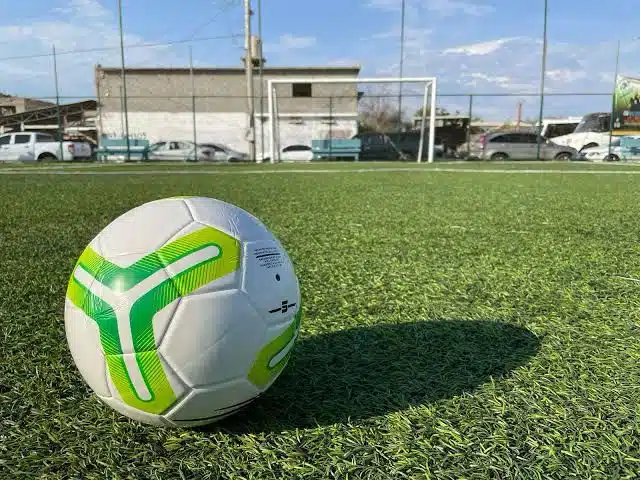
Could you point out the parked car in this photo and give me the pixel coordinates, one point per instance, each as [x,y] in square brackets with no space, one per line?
[603,153]
[36,146]
[178,150]
[519,145]
[291,153]
[218,152]
[171,150]
[396,146]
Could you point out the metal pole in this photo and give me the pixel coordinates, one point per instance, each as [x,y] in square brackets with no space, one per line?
[261,76]
[543,74]
[121,112]
[100,131]
[330,127]
[469,125]
[124,81]
[401,69]
[251,132]
[615,90]
[60,129]
[193,105]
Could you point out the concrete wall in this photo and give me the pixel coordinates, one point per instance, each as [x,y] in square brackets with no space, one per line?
[221,90]
[225,128]
[10,105]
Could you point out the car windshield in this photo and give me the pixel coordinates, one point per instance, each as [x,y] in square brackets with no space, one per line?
[594,123]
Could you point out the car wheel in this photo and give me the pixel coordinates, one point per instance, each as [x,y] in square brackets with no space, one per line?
[564,156]
[47,157]
[612,158]
[499,156]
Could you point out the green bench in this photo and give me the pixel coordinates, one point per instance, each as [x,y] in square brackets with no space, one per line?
[336,148]
[117,147]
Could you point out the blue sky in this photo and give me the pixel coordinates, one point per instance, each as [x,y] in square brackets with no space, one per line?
[471,46]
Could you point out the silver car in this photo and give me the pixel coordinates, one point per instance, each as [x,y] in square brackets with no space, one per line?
[519,145]
[184,151]
[217,152]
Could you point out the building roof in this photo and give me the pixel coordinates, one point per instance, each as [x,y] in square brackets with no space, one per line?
[352,69]
[47,113]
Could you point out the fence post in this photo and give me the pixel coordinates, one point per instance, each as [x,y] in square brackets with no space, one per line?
[330,127]
[193,105]
[122,111]
[542,78]
[59,129]
[469,125]
[123,75]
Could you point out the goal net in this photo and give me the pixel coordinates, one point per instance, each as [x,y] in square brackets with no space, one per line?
[319,117]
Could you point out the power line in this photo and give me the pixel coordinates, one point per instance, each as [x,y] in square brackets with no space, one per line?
[135,45]
[224,8]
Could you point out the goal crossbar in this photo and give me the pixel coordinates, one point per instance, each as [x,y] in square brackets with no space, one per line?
[426,101]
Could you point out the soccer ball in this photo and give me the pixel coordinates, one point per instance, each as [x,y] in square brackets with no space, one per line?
[182,311]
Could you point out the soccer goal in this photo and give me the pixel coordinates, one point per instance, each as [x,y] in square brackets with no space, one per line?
[301,110]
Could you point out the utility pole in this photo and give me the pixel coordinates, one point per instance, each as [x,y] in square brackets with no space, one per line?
[261,75]
[248,61]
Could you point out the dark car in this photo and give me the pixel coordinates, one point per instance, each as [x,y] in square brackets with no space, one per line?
[395,146]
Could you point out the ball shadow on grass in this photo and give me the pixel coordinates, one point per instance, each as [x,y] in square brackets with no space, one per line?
[362,372]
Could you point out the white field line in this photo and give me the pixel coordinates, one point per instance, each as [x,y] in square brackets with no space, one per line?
[30,171]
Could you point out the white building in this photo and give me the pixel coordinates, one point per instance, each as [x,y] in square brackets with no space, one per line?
[160,104]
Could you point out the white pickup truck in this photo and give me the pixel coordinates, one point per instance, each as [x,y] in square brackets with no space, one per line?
[36,146]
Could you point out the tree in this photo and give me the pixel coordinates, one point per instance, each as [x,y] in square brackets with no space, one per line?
[379,114]
[440,111]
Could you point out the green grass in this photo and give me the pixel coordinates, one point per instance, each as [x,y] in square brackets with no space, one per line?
[457,326]
[318,165]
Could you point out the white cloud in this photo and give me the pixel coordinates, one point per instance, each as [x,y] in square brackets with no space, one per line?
[289,42]
[442,7]
[453,7]
[84,8]
[86,27]
[566,75]
[482,48]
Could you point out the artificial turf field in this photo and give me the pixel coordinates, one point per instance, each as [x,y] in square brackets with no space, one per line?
[457,325]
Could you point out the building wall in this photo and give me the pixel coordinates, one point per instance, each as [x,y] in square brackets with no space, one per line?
[160,106]
[220,90]
[225,128]
[10,105]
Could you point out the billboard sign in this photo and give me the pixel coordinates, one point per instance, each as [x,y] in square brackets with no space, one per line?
[626,106]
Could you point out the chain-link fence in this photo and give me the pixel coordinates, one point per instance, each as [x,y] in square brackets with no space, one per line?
[85,95]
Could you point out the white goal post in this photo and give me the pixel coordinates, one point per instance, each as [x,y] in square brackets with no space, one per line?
[427,104]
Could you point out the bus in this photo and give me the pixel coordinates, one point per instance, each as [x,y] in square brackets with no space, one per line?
[593,130]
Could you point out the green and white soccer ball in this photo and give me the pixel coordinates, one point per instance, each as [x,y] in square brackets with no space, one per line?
[182,311]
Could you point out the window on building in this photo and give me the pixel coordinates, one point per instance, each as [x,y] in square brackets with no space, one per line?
[301,90]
